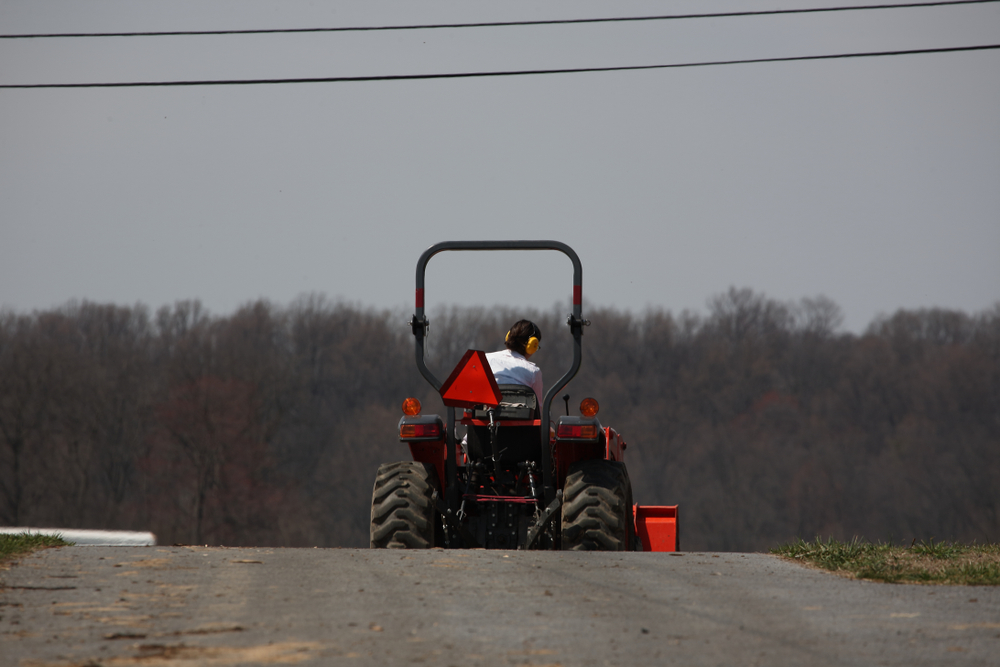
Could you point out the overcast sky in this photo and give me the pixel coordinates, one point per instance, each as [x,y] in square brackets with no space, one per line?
[874,182]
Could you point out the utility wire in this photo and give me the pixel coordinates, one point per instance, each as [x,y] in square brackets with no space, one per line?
[470,75]
[498,24]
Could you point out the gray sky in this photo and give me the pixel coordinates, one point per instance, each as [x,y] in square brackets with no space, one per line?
[875,182]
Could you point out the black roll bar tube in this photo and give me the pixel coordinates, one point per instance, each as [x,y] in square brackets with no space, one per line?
[419,324]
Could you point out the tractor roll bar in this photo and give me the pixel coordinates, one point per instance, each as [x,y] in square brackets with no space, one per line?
[419,324]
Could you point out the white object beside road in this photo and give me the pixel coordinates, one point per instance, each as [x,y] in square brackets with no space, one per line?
[92,538]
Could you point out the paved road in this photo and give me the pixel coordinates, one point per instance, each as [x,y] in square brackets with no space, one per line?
[180,606]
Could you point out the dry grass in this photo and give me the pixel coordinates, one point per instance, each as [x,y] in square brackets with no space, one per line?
[12,546]
[920,563]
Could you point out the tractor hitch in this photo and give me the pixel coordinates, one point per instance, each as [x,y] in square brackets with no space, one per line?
[469,540]
[543,521]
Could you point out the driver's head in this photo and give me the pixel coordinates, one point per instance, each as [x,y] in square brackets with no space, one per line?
[524,338]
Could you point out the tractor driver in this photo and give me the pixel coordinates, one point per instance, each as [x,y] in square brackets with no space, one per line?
[512,366]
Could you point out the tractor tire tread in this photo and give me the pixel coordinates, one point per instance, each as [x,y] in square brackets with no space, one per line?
[596,507]
[403,511]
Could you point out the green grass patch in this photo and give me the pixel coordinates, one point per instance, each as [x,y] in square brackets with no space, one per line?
[920,563]
[12,546]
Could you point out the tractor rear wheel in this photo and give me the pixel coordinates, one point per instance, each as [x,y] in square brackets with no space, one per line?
[403,515]
[597,507]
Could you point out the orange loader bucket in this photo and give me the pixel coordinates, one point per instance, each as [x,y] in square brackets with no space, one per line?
[656,526]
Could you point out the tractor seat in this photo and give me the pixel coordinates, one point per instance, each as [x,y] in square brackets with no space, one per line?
[516,443]
[518,402]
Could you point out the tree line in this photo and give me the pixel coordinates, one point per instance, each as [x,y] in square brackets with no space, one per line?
[761,419]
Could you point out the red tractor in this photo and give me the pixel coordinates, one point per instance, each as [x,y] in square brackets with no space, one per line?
[516,481]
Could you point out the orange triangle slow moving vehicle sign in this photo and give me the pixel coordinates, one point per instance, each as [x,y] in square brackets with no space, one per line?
[471,383]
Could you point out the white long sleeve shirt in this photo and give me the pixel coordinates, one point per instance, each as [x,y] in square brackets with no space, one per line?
[512,368]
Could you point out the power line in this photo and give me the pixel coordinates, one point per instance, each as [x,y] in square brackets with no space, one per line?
[499,24]
[470,75]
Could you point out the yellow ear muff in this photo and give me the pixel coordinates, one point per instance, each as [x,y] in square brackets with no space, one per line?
[532,345]
[506,338]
